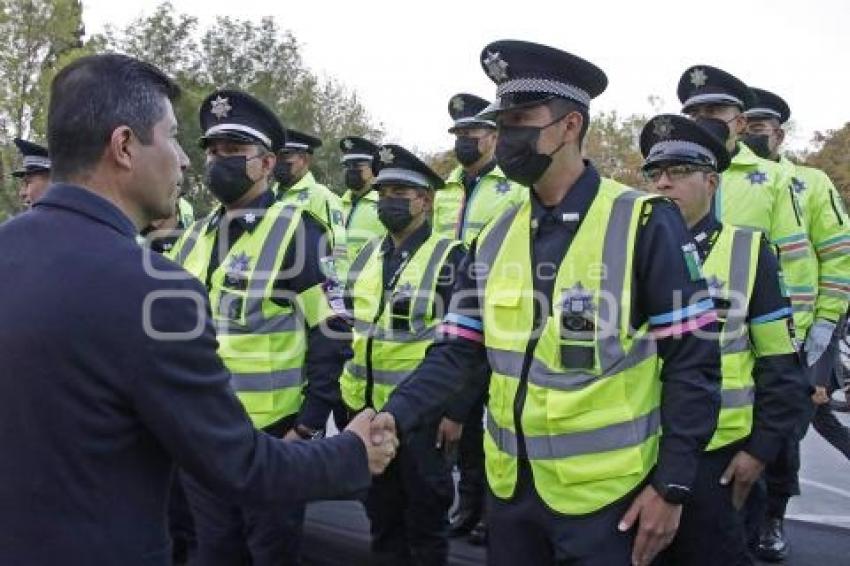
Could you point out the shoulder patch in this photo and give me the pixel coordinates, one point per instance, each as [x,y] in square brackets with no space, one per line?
[692,261]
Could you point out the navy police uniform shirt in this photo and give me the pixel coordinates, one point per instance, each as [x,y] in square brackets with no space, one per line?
[326,351]
[691,369]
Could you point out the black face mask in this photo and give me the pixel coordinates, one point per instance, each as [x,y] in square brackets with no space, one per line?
[466,150]
[394,213]
[516,153]
[283,173]
[759,143]
[354,180]
[227,178]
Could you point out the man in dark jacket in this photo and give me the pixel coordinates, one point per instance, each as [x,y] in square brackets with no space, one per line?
[109,365]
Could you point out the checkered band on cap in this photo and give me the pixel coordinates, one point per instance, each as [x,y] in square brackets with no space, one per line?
[543,86]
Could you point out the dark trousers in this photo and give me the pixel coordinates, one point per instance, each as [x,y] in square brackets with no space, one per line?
[827,424]
[523,530]
[472,487]
[408,504]
[711,531]
[234,535]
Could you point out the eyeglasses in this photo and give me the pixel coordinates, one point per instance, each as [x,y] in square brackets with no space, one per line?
[674,172]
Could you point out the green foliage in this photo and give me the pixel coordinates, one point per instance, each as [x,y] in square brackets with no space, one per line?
[257,57]
[36,38]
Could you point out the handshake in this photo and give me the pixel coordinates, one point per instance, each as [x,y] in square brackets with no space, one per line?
[378,434]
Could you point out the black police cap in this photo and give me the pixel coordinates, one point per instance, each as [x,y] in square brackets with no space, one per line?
[35,158]
[769,105]
[300,142]
[670,138]
[355,148]
[704,84]
[464,109]
[397,166]
[238,116]
[528,74]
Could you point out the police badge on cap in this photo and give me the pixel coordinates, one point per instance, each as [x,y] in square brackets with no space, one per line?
[670,138]
[704,84]
[528,74]
[35,158]
[238,116]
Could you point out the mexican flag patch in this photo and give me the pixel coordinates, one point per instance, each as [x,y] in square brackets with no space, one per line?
[692,261]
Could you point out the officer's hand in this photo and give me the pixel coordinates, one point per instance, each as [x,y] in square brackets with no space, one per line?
[657,522]
[820,396]
[381,453]
[382,425]
[820,335]
[745,470]
[448,434]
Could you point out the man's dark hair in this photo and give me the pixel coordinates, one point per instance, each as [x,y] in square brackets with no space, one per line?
[94,95]
[563,106]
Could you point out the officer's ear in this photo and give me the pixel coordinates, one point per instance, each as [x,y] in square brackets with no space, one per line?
[738,125]
[713,178]
[427,196]
[269,160]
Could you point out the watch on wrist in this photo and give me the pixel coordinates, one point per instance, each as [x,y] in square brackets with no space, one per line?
[673,494]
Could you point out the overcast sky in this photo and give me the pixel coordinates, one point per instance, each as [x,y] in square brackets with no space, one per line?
[406,59]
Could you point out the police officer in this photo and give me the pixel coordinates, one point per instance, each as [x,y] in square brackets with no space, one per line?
[34,173]
[572,302]
[754,193]
[161,235]
[360,202]
[295,184]
[829,274]
[764,392]
[264,263]
[476,191]
[399,289]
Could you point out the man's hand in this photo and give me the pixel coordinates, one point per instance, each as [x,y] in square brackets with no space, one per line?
[657,522]
[448,434]
[380,453]
[745,470]
[291,435]
[820,396]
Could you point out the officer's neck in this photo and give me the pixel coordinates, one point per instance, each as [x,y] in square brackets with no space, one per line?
[250,196]
[732,144]
[559,178]
[400,237]
[472,171]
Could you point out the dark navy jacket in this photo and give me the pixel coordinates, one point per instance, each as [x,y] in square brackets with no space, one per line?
[95,409]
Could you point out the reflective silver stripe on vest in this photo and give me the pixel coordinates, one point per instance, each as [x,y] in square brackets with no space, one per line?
[419,311]
[510,364]
[360,261]
[381,377]
[191,241]
[392,335]
[735,335]
[419,331]
[272,381]
[265,269]
[614,255]
[737,398]
[558,446]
